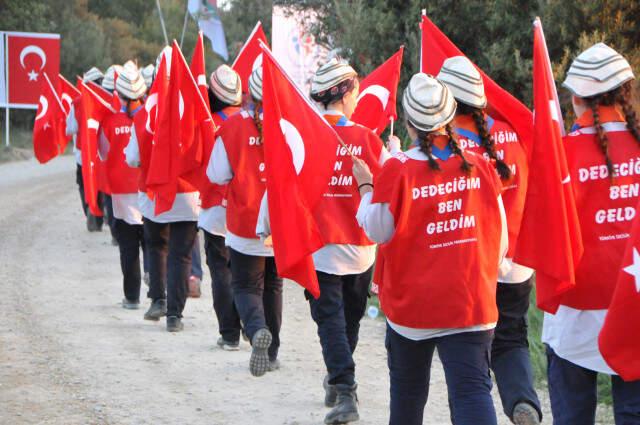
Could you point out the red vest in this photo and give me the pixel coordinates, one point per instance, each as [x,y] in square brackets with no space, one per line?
[510,150]
[121,177]
[441,264]
[336,211]
[212,194]
[605,208]
[245,190]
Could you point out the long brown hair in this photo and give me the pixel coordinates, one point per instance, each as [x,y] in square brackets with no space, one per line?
[426,139]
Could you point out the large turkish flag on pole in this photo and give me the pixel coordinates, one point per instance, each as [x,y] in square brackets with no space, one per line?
[29,55]
[249,54]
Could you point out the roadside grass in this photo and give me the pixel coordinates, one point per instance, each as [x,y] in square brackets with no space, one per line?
[20,147]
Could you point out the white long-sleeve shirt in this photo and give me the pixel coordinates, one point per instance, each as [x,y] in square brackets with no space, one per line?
[72,130]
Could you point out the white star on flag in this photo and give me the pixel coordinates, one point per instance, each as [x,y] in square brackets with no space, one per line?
[33,75]
[634,269]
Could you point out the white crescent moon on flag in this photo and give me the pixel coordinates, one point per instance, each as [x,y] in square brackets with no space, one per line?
[67,100]
[151,102]
[45,106]
[31,49]
[295,143]
[378,91]
[93,124]
[202,80]
[180,104]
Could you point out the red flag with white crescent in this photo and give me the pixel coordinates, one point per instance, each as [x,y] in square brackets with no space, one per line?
[249,54]
[49,139]
[67,92]
[300,152]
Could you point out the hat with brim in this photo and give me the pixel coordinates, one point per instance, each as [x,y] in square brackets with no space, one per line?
[93,74]
[597,70]
[147,74]
[330,75]
[130,84]
[255,84]
[226,85]
[108,82]
[464,81]
[166,53]
[428,103]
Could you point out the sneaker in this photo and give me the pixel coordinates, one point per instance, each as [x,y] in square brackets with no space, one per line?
[346,408]
[273,365]
[146,278]
[157,310]
[330,394]
[130,304]
[525,414]
[259,361]
[194,287]
[174,324]
[228,345]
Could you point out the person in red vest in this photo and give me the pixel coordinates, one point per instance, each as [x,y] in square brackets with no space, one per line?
[498,143]
[123,180]
[225,97]
[344,265]
[170,235]
[237,161]
[603,155]
[438,213]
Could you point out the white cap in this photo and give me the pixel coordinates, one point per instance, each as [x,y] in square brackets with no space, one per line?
[330,74]
[597,70]
[92,75]
[428,103]
[147,74]
[464,81]
[130,84]
[166,52]
[108,82]
[226,85]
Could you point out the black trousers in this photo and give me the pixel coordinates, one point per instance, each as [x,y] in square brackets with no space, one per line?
[510,360]
[80,183]
[257,291]
[337,312]
[107,207]
[130,240]
[170,246]
[218,260]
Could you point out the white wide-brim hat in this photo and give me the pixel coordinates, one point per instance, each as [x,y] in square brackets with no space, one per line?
[93,74]
[147,74]
[108,82]
[597,70]
[428,103]
[130,84]
[464,81]
[330,74]
[226,85]
[255,84]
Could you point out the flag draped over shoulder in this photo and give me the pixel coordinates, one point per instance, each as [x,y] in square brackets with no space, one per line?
[550,240]
[377,100]
[49,139]
[300,152]
[249,54]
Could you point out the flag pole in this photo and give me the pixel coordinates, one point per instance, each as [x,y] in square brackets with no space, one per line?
[391,130]
[164,29]
[184,25]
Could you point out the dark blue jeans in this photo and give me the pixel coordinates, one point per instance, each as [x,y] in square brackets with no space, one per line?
[218,260]
[574,395]
[465,358]
[257,291]
[510,360]
[337,312]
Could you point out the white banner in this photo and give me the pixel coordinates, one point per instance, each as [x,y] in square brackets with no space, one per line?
[3,67]
[294,46]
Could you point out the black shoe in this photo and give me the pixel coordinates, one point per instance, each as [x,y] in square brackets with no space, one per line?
[259,361]
[130,304]
[346,408]
[525,414]
[273,365]
[174,324]
[92,223]
[330,394]
[157,310]
[228,345]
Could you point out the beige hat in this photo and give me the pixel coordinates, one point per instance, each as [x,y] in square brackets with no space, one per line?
[428,103]
[147,74]
[108,81]
[255,84]
[330,75]
[464,81]
[226,85]
[92,75]
[167,54]
[130,84]
[597,70]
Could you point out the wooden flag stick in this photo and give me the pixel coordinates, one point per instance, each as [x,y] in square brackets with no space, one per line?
[391,130]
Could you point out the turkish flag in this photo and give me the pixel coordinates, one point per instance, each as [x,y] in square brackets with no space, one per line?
[300,151]
[67,92]
[436,48]
[29,55]
[249,53]
[93,110]
[49,139]
[197,66]
[377,100]
[618,340]
[550,240]
[176,151]
[101,91]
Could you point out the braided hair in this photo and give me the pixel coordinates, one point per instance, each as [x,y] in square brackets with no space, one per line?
[624,99]
[486,141]
[426,139]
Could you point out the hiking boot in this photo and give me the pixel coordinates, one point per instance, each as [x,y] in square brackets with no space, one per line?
[259,361]
[130,304]
[330,394]
[174,324]
[194,287]
[228,345]
[157,310]
[525,414]
[346,408]
[273,365]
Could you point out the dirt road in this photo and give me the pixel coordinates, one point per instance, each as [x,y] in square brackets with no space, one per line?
[69,354]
